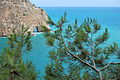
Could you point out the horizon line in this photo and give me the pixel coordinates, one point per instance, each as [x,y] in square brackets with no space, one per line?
[80,6]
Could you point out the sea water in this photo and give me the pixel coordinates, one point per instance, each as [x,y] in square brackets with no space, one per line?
[107,17]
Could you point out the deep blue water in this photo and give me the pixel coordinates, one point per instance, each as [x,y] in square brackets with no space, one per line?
[108,17]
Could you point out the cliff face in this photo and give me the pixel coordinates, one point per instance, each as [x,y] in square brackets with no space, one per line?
[16,13]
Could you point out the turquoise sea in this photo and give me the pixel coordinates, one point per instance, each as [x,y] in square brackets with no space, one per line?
[108,17]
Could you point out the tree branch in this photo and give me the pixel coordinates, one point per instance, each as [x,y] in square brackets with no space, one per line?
[78,58]
[108,66]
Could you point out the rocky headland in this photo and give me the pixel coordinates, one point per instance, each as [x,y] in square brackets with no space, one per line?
[17,13]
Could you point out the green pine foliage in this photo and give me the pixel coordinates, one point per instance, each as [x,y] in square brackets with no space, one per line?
[79,52]
[12,66]
[113,72]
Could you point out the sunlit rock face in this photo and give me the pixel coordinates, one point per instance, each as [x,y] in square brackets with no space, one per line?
[17,13]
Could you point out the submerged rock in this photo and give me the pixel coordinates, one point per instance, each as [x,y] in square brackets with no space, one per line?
[17,13]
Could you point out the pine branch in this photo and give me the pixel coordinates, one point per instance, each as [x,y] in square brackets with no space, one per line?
[78,58]
[108,66]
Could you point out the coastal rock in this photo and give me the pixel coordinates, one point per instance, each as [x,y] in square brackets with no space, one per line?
[17,13]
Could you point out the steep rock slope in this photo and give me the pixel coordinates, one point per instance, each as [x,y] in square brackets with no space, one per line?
[17,13]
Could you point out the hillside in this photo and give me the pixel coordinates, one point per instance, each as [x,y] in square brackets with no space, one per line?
[17,13]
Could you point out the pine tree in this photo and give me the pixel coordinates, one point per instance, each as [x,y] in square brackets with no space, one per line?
[79,52]
[12,66]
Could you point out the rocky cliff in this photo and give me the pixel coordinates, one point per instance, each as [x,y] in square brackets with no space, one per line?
[17,13]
